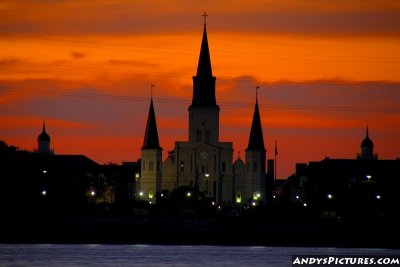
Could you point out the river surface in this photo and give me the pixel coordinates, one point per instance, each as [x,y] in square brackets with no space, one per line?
[164,255]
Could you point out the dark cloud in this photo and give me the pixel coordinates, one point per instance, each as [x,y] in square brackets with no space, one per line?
[7,61]
[97,17]
[77,55]
[133,63]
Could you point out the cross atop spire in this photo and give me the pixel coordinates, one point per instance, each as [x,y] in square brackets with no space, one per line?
[205,15]
[257,88]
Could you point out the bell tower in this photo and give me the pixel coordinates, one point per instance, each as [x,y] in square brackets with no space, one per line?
[150,180]
[255,177]
[204,111]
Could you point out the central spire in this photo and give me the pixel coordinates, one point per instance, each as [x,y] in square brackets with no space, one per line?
[204,81]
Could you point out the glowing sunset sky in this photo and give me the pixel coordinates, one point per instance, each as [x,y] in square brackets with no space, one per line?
[326,69]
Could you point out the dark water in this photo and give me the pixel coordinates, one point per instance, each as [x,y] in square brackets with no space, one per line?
[154,255]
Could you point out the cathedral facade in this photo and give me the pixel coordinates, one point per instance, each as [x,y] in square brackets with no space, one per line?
[204,162]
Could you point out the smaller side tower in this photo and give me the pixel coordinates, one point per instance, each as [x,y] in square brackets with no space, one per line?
[150,180]
[255,178]
[367,148]
[44,142]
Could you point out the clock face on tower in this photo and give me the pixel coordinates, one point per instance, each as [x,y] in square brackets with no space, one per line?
[203,155]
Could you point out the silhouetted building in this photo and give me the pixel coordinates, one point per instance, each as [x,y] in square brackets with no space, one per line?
[31,181]
[346,188]
[204,162]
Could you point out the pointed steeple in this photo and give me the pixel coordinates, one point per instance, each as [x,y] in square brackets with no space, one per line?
[43,136]
[256,140]
[204,81]
[367,142]
[151,135]
[204,65]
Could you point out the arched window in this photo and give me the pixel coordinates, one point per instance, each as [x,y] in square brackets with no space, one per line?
[255,167]
[199,135]
[208,136]
[151,166]
[238,197]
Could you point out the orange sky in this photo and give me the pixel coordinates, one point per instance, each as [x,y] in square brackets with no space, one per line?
[325,69]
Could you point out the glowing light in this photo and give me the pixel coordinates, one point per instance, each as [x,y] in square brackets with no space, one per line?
[44,192]
[44,171]
[253,204]
[150,202]
[188,194]
[238,198]
[256,195]
[206,175]
[141,193]
[305,204]
[162,195]
[137,175]
[297,197]
[273,196]
[92,193]
[378,197]
[213,203]
[151,194]
[369,177]
[329,196]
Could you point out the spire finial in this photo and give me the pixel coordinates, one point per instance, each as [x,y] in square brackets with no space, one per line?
[151,90]
[239,154]
[205,15]
[367,130]
[44,124]
[257,88]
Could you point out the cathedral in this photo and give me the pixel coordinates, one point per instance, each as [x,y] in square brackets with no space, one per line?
[204,162]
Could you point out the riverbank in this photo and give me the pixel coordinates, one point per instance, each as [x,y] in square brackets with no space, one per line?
[193,231]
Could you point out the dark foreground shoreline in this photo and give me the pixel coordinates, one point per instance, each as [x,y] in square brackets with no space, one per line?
[189,231]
